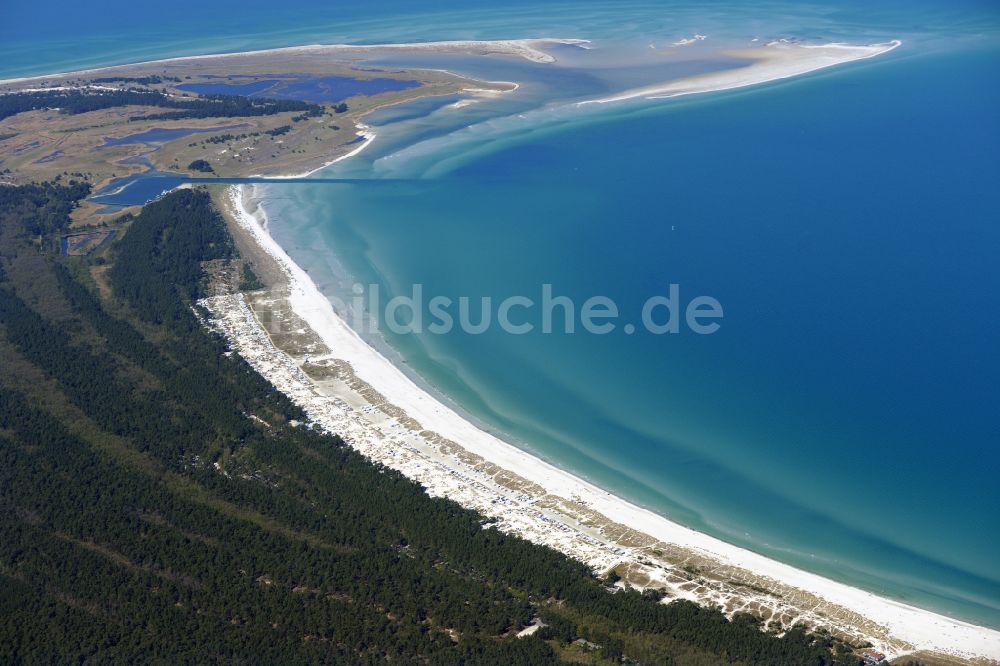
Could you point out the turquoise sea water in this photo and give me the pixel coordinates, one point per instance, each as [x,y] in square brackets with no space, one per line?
[844,417]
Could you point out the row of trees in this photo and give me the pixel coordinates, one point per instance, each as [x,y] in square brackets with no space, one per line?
[40,209]
[137,80]
[207,106]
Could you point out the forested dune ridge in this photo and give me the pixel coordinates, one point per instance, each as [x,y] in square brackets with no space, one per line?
[72,102]
[161,502]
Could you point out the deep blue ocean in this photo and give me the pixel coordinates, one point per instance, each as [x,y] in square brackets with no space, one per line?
[844,418]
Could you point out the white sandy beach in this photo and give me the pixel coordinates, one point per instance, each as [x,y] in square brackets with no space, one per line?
[383,435]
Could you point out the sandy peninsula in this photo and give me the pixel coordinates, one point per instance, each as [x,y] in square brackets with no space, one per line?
[105,144]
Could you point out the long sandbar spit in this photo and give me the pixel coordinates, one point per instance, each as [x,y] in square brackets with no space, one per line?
[529,49]
[771,62]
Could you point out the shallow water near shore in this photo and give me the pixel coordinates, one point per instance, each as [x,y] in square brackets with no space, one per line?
[843,418]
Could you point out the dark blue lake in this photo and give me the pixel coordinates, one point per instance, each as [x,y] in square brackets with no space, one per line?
[159,135]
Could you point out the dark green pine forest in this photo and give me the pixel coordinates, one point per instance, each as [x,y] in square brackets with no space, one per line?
[146,517]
